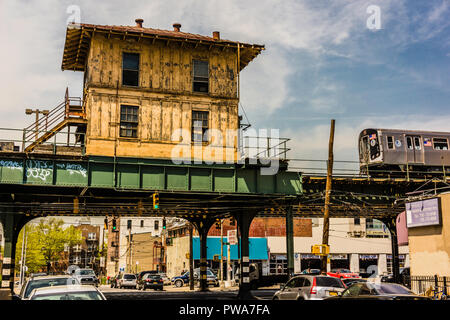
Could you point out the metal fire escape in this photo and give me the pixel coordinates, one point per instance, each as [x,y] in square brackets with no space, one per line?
[69,113]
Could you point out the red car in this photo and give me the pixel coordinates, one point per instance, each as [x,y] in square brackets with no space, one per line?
[342,274]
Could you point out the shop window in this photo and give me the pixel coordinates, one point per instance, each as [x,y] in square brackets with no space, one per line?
[278,264]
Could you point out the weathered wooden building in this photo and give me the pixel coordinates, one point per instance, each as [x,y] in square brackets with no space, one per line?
[147,90]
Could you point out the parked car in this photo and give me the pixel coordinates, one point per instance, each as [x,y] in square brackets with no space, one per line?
[309,287]
[142,273]
[342,274]
[86,276]
[150,281]
[404,277]
[165,278]
[126,280]
[349,281]
[310,271]
[378,291]
[211,278]
[36,282]
[78,292]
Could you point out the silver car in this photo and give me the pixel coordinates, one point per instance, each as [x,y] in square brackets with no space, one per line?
[45,281]
[64,292]
[309,287]
[127,280]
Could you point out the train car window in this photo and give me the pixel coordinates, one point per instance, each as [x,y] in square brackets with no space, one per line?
[390,142]
[440,144]
[417,143]
[409,143]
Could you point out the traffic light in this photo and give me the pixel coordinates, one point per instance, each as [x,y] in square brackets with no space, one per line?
[106,224]
[164,224]
[156,200]
[114,225]
[232,221]
[218,224]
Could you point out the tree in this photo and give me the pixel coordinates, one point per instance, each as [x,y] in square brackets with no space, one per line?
[46,242]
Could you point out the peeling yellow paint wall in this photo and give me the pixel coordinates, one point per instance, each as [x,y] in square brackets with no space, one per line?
[430,246]
[164,96]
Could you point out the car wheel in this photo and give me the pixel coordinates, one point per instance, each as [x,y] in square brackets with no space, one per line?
[178,283]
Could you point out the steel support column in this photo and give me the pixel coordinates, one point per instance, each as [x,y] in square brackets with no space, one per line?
[12,224]
[290,241]
[244,221]
[390,224]
[203,227]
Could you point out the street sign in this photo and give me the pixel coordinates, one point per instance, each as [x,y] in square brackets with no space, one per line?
[232,237]
[320,249]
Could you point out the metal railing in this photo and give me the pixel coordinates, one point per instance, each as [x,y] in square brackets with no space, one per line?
[47,122]
[428,285]
[264,147]
[13,140]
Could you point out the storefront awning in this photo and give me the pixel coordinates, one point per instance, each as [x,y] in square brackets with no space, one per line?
[257,248]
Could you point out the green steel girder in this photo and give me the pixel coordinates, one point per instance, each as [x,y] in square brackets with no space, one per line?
[145,174]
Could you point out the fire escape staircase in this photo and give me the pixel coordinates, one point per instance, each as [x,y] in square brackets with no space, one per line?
[70,112]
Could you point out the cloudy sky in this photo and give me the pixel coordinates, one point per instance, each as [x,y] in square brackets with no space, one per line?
[323,60]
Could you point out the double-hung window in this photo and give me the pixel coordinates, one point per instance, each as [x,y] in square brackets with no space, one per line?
[129,121]
[201,76]
[130,69]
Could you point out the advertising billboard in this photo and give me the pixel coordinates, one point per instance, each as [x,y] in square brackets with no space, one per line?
[423,213]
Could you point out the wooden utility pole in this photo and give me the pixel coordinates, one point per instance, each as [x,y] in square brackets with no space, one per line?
[326,222]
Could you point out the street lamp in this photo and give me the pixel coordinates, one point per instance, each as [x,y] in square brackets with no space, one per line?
[37,112]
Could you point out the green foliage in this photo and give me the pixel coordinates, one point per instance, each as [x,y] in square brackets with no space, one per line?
[45,243]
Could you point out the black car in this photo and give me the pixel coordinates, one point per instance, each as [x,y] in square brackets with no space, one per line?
[142,273]
[404,277]
[377,291]
[150,281]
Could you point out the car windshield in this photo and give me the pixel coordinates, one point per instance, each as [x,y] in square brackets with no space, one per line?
[85,272]
[344,271]
[129,276]
[392,289]
[329,282]
[34,284]
[90,295]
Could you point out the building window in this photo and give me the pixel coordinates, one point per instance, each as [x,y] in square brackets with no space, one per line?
[142,223]
[278,264]
[92,236]
[130,69]
[440,144]
[156,225]
[129,121]
[356,221]
[401,261]
[201,75]
[390,142]
[200,126]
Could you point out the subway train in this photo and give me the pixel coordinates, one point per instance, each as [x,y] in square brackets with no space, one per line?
[391,152]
